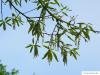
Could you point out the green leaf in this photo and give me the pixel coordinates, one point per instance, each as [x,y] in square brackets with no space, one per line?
[56,1]
[74,53]
[50,56]
[52,3]
[46,46]
[91,29]
[4,26]
[70,38]
[39,7]
[16,2]
[64,8]
[30,29]
[64,31]
[55,56]
[73,32]
[75,56]
[31,49]
[86,34]
[43,13]
[1,23]
[35,51]
[64,53]
[65,58]
[7,19]
[29,46]
[45,55]
[65,13]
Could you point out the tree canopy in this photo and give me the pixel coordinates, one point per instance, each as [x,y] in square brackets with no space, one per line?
[3,70]
[66,33]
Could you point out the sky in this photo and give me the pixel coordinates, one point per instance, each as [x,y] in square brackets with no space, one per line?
[14,54]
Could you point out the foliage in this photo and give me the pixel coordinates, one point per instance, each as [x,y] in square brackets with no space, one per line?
[3,70]
[65,35]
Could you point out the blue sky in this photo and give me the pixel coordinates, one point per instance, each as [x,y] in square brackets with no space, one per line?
[14,54]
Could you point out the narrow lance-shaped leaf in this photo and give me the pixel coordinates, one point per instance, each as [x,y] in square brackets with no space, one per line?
[28,46]
[55,56]
[4,26]
[45,55]
[50,56]
[31,49]
[64,54]
[35,51]
[86,34]
[30,29]
[56,1]
[74,53]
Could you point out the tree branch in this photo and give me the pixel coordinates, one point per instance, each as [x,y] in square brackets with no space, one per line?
[25,12]
[1,11]
[18,10]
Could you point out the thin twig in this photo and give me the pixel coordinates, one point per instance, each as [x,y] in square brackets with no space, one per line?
[1,10]
[21,12]
[18,10]
[29,11]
